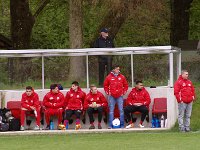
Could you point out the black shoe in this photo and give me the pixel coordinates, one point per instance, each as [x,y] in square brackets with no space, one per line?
[99,126]
[182,130]
[92,127]
[47,127]
[187,129]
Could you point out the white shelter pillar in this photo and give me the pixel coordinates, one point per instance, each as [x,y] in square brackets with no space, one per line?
[132,75]
[87,71]
[42,72]
[178,64]
[171,72]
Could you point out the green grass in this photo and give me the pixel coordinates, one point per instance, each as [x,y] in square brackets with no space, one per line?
[195,121]
[105,141]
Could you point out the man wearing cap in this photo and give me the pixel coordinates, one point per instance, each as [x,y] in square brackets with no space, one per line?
[105,62]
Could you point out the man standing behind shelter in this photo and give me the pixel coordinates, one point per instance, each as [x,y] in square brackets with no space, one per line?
[185,95]
[138,100]
[30,103]
[54,103]
[115,85]
[105,62]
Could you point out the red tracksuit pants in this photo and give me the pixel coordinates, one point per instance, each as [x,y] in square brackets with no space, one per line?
[24,113]
[53,112]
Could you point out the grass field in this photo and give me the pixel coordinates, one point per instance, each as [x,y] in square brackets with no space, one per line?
[105,141]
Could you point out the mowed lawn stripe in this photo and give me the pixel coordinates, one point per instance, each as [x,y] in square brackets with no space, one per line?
[104,141]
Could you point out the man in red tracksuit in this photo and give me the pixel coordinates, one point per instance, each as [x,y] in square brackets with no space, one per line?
[54,103]
[115,86]
[30,104]
[185,95]
[74,101]
[138,100]
[95,101]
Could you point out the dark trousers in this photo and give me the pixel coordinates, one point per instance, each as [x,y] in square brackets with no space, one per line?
[105,66]
[131,109]
[69,113]
[91,111]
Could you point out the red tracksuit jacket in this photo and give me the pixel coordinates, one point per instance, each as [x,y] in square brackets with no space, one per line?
[115,86]
[32,100]
[54,100]
[138,96]
[74,100]
[184,90]
[99,98]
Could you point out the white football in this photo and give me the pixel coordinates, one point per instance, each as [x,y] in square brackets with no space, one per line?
[116,122]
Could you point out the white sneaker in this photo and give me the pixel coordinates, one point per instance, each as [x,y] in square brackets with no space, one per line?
[22,128]
[36,127]
[141,126]
[130,126]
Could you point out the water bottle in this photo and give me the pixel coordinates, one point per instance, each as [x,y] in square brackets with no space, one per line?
[162,122]
[94,105]
[51,125]
[153,122]
[165,123]
[157,123]
[66,123]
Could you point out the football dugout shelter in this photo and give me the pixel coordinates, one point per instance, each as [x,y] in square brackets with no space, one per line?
[165,91]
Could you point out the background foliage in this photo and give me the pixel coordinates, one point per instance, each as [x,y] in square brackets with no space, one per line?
[147,24]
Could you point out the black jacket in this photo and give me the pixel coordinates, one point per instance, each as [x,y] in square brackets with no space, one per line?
[104,43]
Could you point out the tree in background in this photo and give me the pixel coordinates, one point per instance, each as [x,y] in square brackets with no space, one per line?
[22,22]
[179,20]
[77,64]
[116,16]
[131,23]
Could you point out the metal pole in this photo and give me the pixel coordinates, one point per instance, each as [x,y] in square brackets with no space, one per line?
[171,72]
[42,72]
[87,71]
[132,76]
[178,64]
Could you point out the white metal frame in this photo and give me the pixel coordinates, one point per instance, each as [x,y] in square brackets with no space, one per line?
[100,51]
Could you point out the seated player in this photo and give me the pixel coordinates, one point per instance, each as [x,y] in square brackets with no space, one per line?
[95,101]
[138,100]
[30,104]
[74,101]
[54,103]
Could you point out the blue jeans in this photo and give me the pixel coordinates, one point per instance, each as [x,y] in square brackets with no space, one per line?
[112,102]
[184,115]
